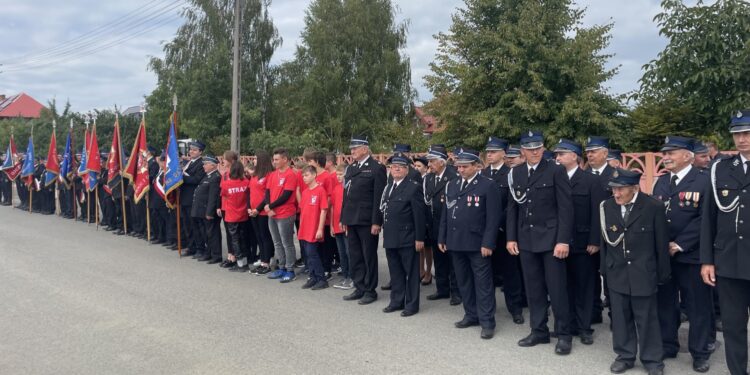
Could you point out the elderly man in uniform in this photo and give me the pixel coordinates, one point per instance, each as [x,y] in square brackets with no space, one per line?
[683,191]
[635,260]
[724,241]
[582,263]
[468,229]
[365,180]
[540,230]
[434,193]
[404,215]
[505,267]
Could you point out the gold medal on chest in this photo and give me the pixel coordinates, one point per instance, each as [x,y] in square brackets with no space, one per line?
[613,228]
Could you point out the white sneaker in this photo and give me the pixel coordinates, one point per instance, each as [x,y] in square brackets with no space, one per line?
[257,263]
[344,284]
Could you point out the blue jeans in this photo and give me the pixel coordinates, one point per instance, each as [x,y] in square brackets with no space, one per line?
[314,263]
[282,233]
[343,254]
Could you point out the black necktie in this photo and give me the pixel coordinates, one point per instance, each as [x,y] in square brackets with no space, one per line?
[493,172]
[531,171]
[597,173]
[463,185]
[747,168]
[392,189]
[628,207]
[673,183]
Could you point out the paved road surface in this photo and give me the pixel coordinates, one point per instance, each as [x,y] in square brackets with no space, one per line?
[78,301]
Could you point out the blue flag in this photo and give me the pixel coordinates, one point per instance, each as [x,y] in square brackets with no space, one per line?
[66,168]
[28,163]
[173,174]
[8,159]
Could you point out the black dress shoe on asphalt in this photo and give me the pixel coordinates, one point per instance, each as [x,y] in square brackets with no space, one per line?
[455,301]
[386,286]
[466,323]
[197,255]
[188,254]
[656,371]
[407,313]
[109,229]
[618,367]
[390,309]
[518,318]
[701,365]
[586,338]
[205,258]
[227,264]
[436,296]
[238,269]
[487,333]
[532,340]
[366,300]
[120,232]
[563,347]
[218,260]
[354,296]
[157,242]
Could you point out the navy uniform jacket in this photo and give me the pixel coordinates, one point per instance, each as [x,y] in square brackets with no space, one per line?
[683,209]
[470,217]
[153,171]
[193,175]
[362,193]
[434,196]
[545,217]
[604,179]
[725,236]
[587,195]
[501,179]
[640,262]
[404,215]
[206,198]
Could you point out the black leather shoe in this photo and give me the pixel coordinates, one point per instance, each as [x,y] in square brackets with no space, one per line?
[436,296]
[407,313]
[466,323]
[227,264]
[234,268]
[487,333]
[701,365]
[586,338]
[205,258]
[532,340]
[386,286]
[456,301]
[188,254]
[656,371]
[518,318]
[563,347]
[618,367]
[354,296]
[368,299]
[119,232]
[217,261]
[390,309]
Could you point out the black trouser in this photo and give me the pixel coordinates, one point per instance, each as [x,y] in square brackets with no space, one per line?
[508,266]
[64,199]
[139,224]
[263,236]
[198,235]
[171,223]
[582,280]
[635,325]
[160,218]
[734,298]
[474,277]
[234,239]
[108,209]
[187,237]
[445,274]
[249,243]
[363,258]
[230,244]
[598,304]
[403,267]
[544,275]
[213,238]
[327,249]
[5,189]
[686,281]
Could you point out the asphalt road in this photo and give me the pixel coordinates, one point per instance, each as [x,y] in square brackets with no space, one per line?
[79,301]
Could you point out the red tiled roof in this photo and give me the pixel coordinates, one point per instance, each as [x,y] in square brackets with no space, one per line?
[20,105]
[428,122]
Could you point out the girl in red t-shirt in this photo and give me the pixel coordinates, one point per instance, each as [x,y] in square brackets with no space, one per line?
[235,202]
[258,217]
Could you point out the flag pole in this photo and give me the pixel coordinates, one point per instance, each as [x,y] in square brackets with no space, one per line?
[122,184]
[96,189]
[148,211]
[13,160]
[88,193]
[177,200]
[31,181]
[73,180]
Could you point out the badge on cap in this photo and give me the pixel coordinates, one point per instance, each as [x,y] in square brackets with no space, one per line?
[588,140]
[615,174]
[739,114]
[531,134]
[666,140]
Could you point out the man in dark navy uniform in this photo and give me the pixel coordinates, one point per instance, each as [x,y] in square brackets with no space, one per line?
[468,230]
[702,160]
[635,261]
[513,157]
[192,175]
[505,267]
[614,158]
[434,193]
[582,262]
[404,227]
[540,229]
[360,214]
[724,240]
[597,156]
[683,191]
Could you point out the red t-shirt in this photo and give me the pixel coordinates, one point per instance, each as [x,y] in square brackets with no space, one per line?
[234,200]
[337,199]
[312,202]
[224,177]
[276,183]
[257,193]
[323,179]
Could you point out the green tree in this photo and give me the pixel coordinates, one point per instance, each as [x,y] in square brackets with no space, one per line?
[703,71]
[507,66]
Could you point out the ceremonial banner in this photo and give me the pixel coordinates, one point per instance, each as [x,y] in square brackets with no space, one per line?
[93,160]
[52,168]
[12,166]
[137,168]
[173,174]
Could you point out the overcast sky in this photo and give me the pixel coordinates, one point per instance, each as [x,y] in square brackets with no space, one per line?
[101,77]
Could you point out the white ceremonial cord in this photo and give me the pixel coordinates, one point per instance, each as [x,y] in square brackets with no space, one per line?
[603,226]
[519,200]
[728,208]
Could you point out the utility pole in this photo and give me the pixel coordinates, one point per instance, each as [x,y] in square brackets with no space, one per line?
[235,140]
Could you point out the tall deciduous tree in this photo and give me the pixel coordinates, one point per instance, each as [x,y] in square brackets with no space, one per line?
[507,66]
[704,68]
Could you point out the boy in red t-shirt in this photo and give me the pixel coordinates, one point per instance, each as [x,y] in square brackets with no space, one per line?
[327,248]
[281,208]
[313,207]
[234,203]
